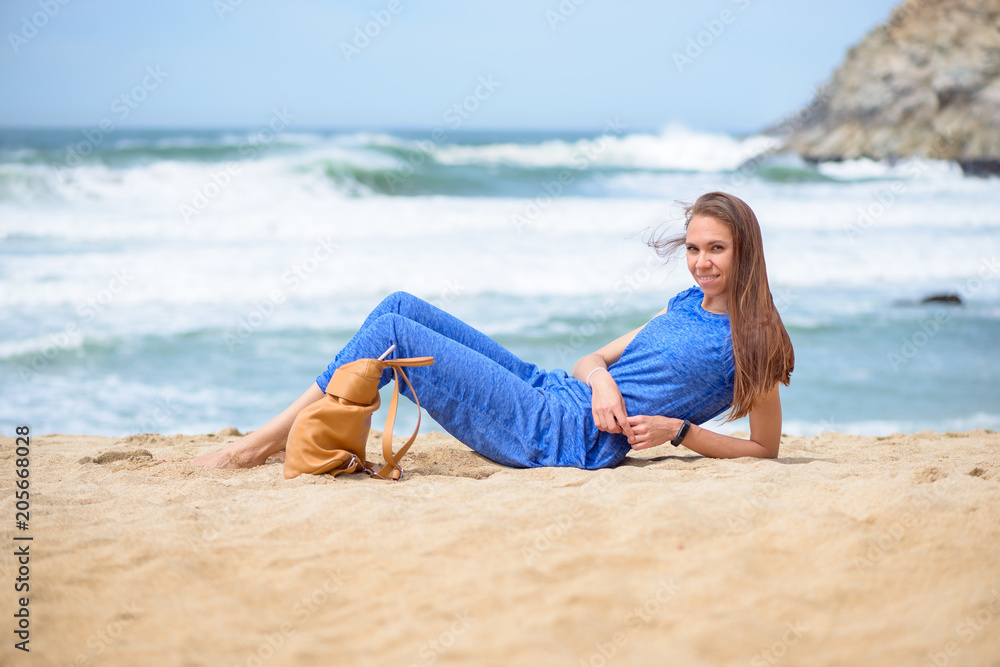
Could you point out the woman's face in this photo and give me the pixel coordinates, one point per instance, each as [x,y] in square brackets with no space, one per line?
[710,256]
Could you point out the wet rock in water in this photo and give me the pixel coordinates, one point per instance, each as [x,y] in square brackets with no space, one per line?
[943,298]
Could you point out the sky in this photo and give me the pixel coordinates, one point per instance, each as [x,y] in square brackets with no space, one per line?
[723,65]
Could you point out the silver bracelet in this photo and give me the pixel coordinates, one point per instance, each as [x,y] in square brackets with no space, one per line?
[599,368]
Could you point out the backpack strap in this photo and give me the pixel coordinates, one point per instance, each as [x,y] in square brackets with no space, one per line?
[411,361]
[391,469]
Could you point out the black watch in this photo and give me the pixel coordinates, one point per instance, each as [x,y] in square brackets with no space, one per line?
[681,433]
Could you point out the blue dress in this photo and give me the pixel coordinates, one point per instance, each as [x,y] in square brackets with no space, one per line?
[511,411]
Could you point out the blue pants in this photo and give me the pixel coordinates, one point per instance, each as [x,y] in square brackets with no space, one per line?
[508,410]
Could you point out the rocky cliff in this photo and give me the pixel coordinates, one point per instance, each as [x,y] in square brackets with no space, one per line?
[924,84]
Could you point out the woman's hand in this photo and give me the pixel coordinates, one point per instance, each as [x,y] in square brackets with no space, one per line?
[652,430]
[608,406]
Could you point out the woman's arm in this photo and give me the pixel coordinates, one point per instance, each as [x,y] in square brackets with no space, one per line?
[607,405]
[765,432]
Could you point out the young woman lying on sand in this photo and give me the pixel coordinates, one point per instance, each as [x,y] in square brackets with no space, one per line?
[716,346]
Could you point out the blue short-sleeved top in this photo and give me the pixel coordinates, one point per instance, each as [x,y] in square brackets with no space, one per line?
[679,365]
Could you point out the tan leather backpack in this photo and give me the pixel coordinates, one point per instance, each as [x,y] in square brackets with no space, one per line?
[330,435]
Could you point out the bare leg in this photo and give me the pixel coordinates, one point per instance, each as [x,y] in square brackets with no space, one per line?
[254,448]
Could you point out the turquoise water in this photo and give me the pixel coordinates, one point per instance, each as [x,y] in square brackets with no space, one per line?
[184,281]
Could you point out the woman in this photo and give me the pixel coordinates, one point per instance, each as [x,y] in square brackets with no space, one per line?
[718,345]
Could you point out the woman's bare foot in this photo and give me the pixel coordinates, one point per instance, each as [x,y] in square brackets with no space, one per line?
[256,447]
[251,450]
[229,456]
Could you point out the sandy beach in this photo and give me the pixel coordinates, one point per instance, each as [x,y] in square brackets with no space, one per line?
[845,550]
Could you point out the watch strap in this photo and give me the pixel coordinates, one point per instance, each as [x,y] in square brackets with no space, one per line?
[681,433]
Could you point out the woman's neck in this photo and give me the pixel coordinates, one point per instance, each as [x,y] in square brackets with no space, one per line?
[716,304]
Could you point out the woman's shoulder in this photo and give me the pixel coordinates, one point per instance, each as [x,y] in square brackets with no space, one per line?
[687,295]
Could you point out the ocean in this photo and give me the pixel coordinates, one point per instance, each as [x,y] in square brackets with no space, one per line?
[183,281]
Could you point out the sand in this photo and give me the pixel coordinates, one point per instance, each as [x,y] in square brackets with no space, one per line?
[845,550]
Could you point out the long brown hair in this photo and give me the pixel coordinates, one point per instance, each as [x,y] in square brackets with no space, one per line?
[762,350]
